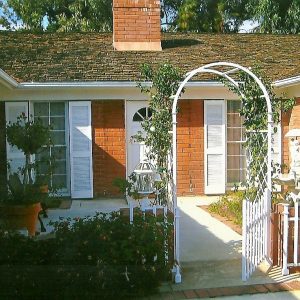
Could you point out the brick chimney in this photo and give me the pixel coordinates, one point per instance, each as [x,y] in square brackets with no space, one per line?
[136,25]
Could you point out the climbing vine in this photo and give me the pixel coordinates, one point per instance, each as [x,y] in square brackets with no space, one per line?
[159,85]
[254,113]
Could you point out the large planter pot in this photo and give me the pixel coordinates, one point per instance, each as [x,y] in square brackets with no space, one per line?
[20,216]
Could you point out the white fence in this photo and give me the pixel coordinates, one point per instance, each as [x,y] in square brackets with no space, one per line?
[290,251]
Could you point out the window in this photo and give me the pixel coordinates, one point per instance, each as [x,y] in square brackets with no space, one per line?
[236,158]
[54,114]
[142,114]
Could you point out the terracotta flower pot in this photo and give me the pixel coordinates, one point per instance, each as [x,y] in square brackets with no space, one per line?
[20,216]
[44,189]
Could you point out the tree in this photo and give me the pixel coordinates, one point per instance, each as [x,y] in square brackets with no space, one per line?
[211,15]
[276,16]
[57,15]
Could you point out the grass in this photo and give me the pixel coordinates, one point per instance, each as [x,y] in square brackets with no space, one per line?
[229,206]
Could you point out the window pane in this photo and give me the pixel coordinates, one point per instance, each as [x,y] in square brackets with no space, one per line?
[234,134]
[57,109]
[41,109]
[57,123]
[44,120]
[60,167]
[59,181]
[233,120]
[59,152]
[233,106]
[58,138]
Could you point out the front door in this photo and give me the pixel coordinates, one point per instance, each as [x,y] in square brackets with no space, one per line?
[136,112]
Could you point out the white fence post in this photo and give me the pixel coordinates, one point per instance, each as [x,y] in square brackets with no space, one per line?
[285,270]
[131,212]
[296,230]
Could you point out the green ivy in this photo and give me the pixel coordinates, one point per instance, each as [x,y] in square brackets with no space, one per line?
[164,83]
[255,116]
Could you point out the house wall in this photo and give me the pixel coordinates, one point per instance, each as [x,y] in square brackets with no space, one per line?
[290,120]
[190,151]
[109,146]
[2,147]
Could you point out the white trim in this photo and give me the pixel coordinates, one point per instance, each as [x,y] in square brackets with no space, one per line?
[7,80]
[287,82]
[106,84]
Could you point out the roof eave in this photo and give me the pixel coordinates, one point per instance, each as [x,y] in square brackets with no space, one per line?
[8,81]
[287,82]
[106,84]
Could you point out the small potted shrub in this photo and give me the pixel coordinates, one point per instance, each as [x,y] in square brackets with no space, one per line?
[21,203]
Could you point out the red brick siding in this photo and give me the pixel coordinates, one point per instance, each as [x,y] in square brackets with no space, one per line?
[190,139]
[2,147]
[109,147]
[136,21]
[290,120]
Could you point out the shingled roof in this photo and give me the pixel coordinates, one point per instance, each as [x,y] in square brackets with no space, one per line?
[90,56]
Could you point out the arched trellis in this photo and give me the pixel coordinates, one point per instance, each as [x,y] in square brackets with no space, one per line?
[248,266]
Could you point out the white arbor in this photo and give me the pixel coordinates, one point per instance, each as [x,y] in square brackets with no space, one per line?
[256,214]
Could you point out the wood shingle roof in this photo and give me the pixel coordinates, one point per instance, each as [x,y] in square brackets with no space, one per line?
[68,57]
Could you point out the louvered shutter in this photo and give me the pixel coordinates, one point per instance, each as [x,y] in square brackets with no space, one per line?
[214,143]
[276,153]
[15,156]
[81,149]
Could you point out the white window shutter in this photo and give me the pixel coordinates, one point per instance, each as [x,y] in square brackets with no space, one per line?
[81,149]
[214,145]
[15,156]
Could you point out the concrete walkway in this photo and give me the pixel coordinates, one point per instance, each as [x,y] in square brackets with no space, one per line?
[211,251]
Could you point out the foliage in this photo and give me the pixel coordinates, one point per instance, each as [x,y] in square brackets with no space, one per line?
[211,16]
[30,137]
[275,16]
[230,206]
[57,15]
[103,257]
[164,83]
[128,186]
[255,118]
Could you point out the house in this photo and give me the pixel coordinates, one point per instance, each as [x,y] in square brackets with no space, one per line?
[84,84]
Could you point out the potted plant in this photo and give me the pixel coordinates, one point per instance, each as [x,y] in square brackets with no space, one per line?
[21,203]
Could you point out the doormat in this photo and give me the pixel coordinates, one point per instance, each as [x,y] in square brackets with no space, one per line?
[226,221]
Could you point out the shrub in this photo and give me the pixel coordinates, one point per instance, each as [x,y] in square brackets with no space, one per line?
[102,257]
[230,206]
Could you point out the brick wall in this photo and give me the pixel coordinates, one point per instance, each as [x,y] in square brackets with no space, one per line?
[190,151]
[2,147]
[109,148]
[136,25]
[290,120]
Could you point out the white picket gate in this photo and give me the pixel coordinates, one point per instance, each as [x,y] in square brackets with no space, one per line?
[256,205]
